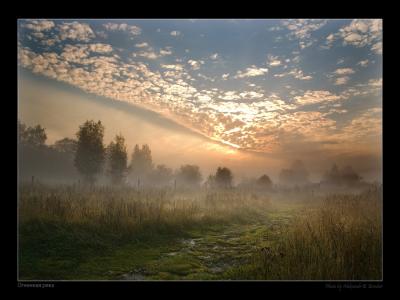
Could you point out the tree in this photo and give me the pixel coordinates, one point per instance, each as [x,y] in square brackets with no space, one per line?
[189,175]
[90,152]
[345,176]
[210,182]
[117,159]
[296,174]
[22,133]
[161,175]
[141,162]
[333,176]
[31,136]
[349,176]
[264,181]
[223,177]
[66,146]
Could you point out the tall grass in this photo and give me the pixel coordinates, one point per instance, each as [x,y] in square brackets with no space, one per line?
[340,239]
[124,208]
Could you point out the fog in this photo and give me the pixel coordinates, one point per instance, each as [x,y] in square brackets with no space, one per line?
[61,109]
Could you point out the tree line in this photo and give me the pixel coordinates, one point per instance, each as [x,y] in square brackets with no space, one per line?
[88,157]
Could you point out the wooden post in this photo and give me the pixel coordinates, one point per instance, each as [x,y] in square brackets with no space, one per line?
[175,185]
[138,183]
[33,180]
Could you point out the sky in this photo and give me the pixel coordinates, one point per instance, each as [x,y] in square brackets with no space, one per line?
[250,94]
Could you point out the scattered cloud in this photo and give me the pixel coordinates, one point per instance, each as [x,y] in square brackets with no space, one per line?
[195,64]
[132,29]
[142,45]
[273,61]
[302,30]
[251,72]
[342,80]
[359,33]
[39,25]
[313,97]
[214,56]
[76,31]
[363,63]
[344,71]
[296,73]
[254,113]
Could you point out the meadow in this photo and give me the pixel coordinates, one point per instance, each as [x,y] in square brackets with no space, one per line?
[72,232]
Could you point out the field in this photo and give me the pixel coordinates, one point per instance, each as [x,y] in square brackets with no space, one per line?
[109,233]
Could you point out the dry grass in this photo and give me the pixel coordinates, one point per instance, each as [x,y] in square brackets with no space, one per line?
[339,239]
[126,208]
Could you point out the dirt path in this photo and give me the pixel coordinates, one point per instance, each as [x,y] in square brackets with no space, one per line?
[210,254]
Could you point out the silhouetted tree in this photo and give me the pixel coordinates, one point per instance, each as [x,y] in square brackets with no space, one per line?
[264,181]
[333,176]
[31,136]
[296,174]
[349,176]
[345,176]
[210,182]
[189,175]
[117,159]
[223,177]
[141,162]
[161,175]
[90,153]
[66,145]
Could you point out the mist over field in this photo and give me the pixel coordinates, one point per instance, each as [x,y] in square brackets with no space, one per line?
[200,149]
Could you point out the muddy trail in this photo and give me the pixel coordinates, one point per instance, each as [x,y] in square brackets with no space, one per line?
[211,253]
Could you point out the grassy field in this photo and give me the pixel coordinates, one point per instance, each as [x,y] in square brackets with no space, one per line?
[70,232]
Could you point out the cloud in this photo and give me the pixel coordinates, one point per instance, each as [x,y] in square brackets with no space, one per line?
[246,115]
[214,56]
[363,63]
[147,54]
[313,97]
[230,95]
[377,48]
[359,33]
[296,73]
[342,80]
[100,48]
[371,87]
[251,72]
[142,45]
[39,25]
[302,29]
[344,71]
[75,31]
[273,61]
[166,51]
[340,61]
[176,67]
[275,28]
[132,29]
[195,65]
[375,82]
[175,33]
[340,75]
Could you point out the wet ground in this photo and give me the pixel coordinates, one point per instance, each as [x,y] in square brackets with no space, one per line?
[209,254]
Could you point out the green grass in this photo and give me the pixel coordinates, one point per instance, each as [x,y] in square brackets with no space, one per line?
[104,233]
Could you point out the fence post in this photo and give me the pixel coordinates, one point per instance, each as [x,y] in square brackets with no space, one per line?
[33,180]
